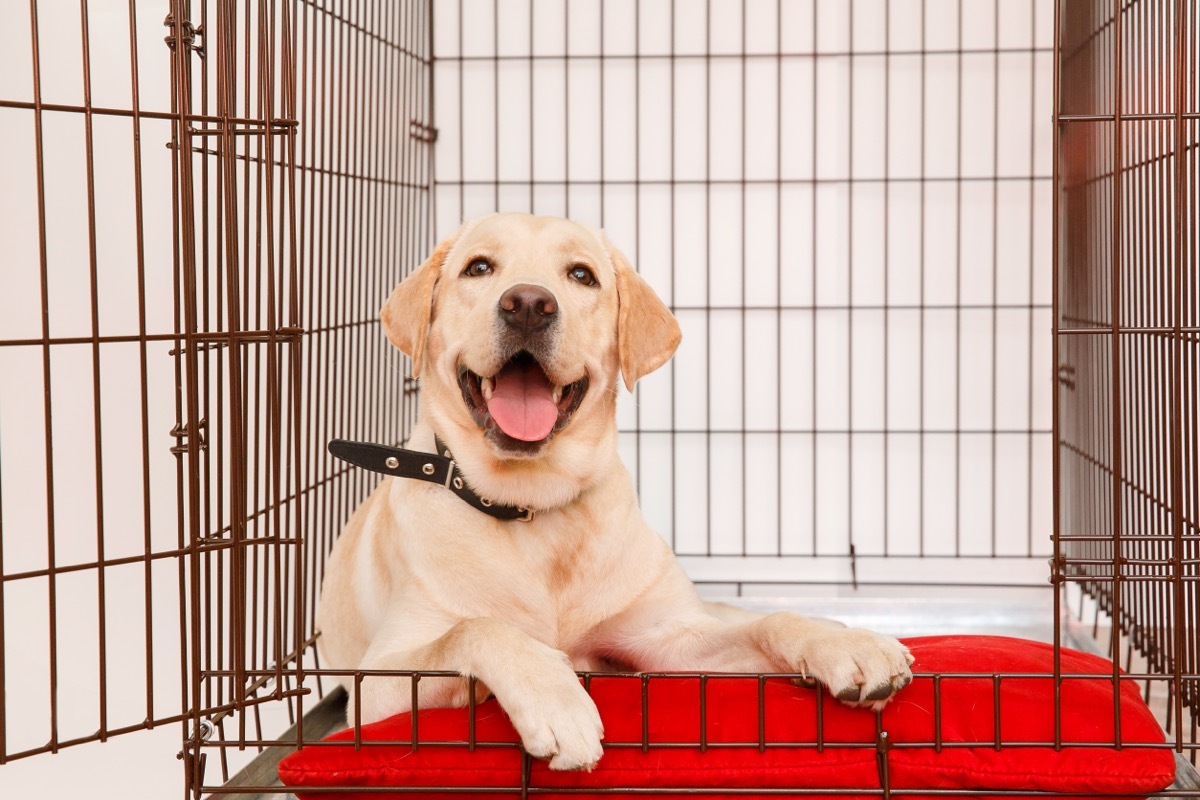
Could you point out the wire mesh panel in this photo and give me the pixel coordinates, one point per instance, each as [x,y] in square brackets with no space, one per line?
[1126,335]
[846,206]
[305,222]
[192,193]
[92,590]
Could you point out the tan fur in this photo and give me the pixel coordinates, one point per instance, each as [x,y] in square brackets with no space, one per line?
[406,314]
[419,580]
[647,332]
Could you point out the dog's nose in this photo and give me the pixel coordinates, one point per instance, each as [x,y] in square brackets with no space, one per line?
[528,308]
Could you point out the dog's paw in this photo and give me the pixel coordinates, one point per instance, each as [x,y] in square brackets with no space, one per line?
[559,722]
[859,667]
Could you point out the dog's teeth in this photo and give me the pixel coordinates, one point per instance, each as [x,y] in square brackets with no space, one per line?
[487,385]
[556,395]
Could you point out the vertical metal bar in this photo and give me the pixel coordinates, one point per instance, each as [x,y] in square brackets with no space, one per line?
[850,185]
[462,178]
[295,358]
[997,740]
[708,304]
[995,298]
[958,302]
[183,511]
[742,293]
[143,392]
[396,112]
[97,427]
[471,713]
[238,456]
[496,104]
[921,305]
[779,437]
[214,319]
[532,101]
[600,149]
[308,452]
[762,713]
[182,138]
[637,207]
[566,109]
[414,688]
[887,251]
[822,695]
[1116,364]
[356,720]
[1179,621]
[1031,255]
[814,117]
[47,403]
[645,713]
[274,432]
[883,747]
[674,295]
[937,711]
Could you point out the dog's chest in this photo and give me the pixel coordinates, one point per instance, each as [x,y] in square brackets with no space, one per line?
[553,578]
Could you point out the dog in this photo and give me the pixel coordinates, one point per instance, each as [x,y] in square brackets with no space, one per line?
[519,328]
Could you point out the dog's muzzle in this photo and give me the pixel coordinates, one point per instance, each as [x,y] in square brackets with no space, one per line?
[520,407]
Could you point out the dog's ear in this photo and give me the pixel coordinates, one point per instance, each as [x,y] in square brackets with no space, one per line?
[647,332]
[408,311]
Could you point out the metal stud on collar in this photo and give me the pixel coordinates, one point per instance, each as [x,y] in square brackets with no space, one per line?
[427,469]
[392,462]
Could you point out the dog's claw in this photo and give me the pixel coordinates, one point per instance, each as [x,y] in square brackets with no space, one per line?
[881,692]
[849,694]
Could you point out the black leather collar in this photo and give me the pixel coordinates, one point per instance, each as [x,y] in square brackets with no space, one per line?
[429,467]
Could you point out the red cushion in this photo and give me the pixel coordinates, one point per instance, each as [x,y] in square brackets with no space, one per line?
[845,758]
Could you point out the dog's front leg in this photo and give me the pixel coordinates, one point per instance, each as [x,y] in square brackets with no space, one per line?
[858,666]
[533,682]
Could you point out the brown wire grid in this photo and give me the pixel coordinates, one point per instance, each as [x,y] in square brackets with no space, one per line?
[225,194]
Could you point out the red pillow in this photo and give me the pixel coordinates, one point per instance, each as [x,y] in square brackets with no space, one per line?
[793,745]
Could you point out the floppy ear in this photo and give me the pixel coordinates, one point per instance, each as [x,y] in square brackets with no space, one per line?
[647,333]
[406,314]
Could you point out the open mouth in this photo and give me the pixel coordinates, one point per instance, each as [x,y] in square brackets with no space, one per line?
[519,405]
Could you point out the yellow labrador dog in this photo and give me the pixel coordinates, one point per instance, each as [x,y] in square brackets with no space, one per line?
[520,328]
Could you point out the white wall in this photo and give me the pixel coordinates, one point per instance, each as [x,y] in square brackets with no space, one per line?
[854,236]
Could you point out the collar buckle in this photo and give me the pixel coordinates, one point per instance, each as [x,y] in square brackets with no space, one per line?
[526,516]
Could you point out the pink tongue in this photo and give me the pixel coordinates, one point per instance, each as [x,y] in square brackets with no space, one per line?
[521,403]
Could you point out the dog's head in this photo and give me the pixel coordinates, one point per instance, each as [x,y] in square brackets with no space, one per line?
[519,328]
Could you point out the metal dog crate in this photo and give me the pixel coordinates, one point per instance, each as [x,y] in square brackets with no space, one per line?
[886,227]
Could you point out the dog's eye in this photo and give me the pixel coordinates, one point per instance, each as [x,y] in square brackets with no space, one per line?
[478,268]
[581,274]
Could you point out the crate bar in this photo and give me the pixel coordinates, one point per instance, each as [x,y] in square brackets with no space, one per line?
[1031,255]
[47,407]
[186,286]
[850,439]
[1179,619]
[814,161]
[93,287]
[921,294]
[1115,355]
